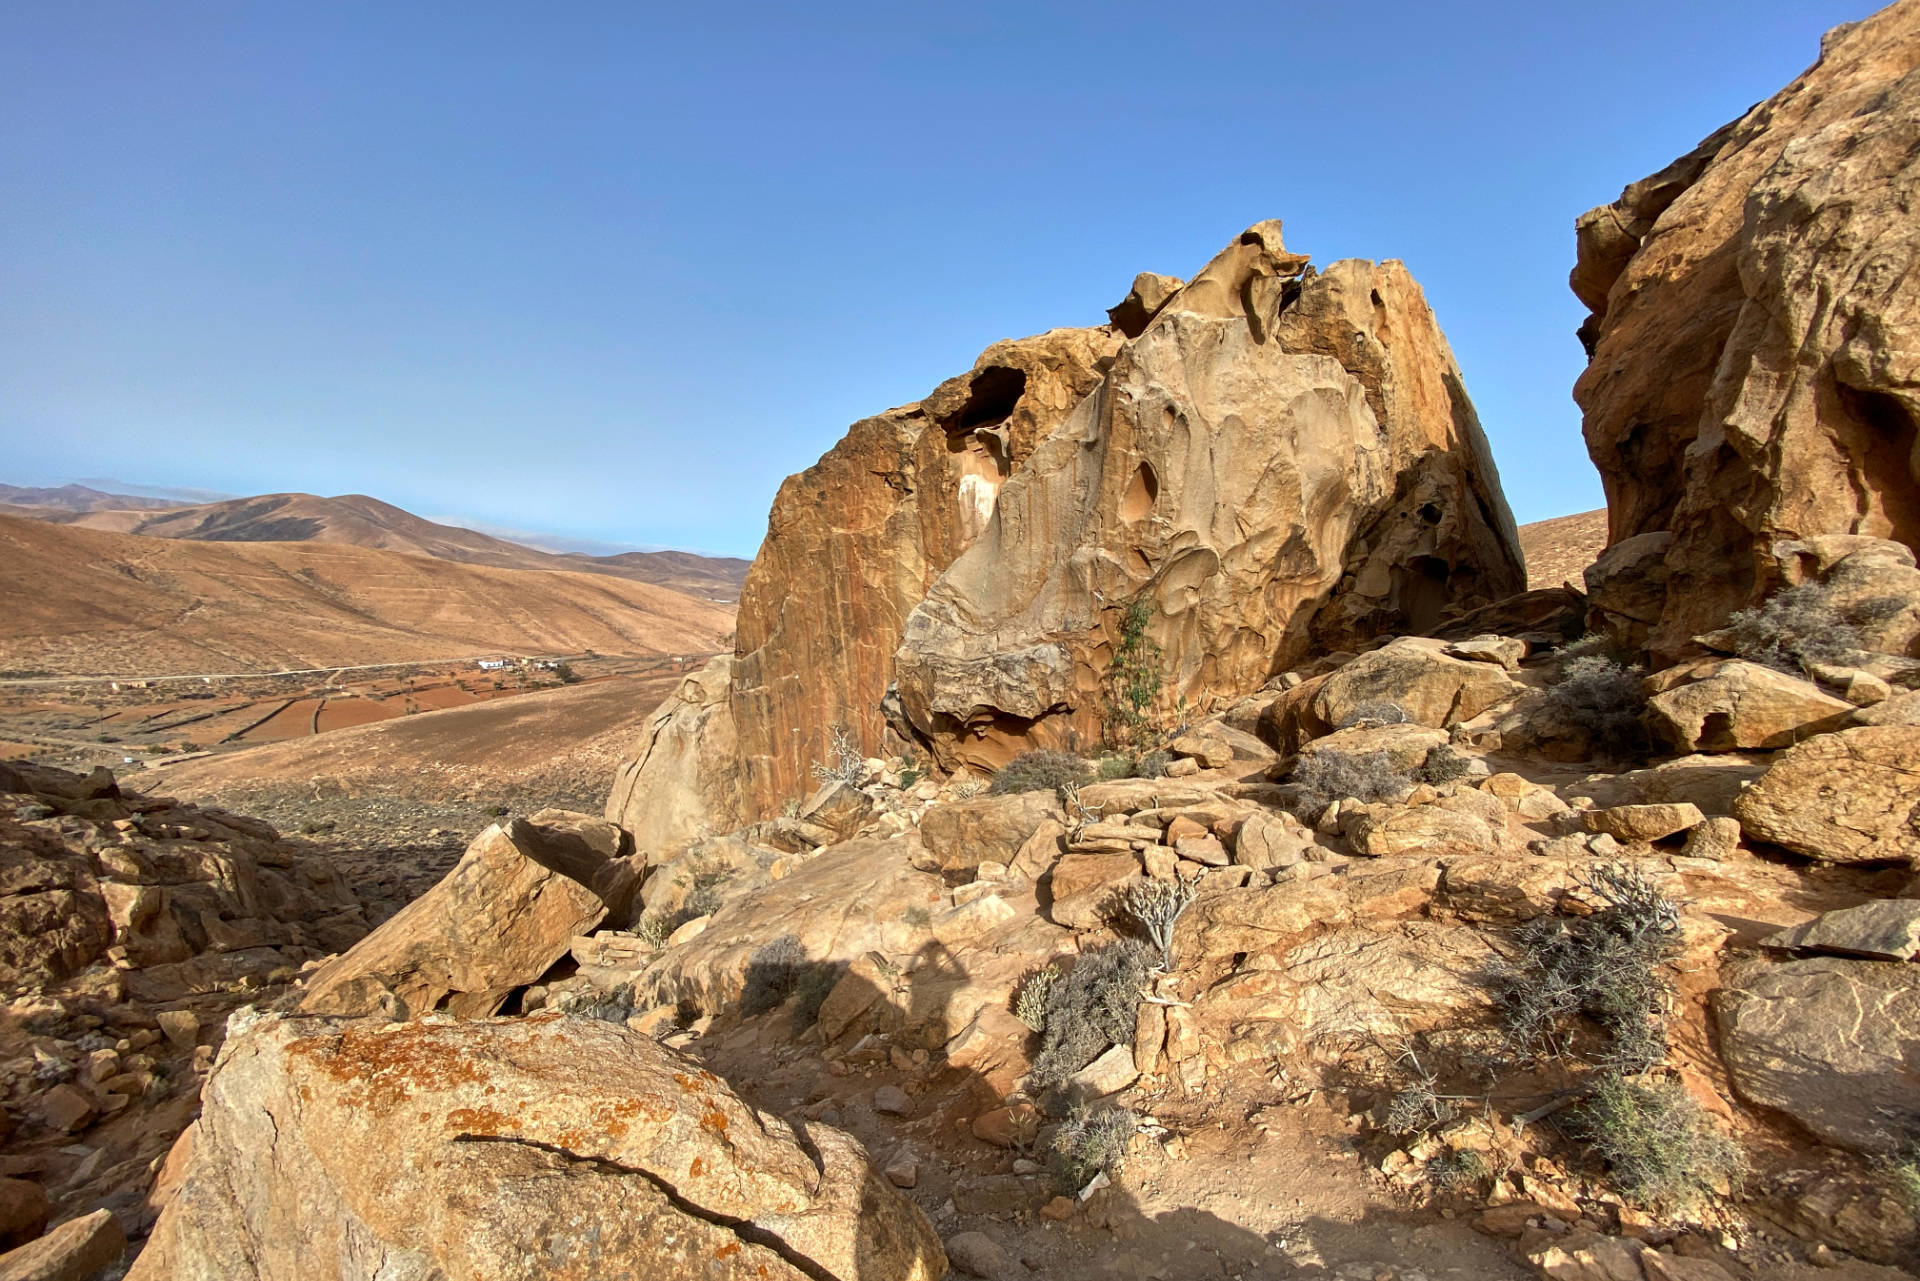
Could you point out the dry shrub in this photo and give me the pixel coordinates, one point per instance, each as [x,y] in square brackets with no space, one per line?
[1042,771]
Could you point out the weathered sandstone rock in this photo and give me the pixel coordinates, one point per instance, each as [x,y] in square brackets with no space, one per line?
[1886,929]
[495,922]
[1737,706]
[1752,337]
[543,1147]
[1644,822]
[1828,1042]
[75,1251]
[1850,797]
[965,834]
[1276,461]
[1419,677]
[682,783]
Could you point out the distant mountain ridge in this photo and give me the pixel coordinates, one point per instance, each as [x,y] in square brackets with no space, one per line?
[359,521]
[76,498]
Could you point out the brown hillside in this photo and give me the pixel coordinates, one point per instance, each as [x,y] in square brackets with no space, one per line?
[1559,550]
[87,602]
[359,521]
[77,498]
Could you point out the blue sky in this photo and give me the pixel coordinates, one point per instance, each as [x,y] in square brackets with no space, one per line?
[612,271]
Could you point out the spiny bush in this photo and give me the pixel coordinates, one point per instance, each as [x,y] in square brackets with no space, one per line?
[1380,713]
[1133,681]
[1604,967]
[1042,771]
[1443,765]
[1091,1007]
[1325,777]
[1091,1144]
[810,992]
[1660,1147]
[1605,699]
[1461,1169]
[1798,627]
[773,973]
[1132,765]
[846,763]
[1417,1109]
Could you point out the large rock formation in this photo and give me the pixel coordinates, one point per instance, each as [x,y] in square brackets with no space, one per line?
[547,1147]
[1278,460]
[1753,367]
[852,545]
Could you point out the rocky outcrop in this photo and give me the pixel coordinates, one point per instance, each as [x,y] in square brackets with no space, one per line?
[1278,460]
[175,896]
[546,1147]
[1752,340]
[1827,1041]
[497,921]
[683,782]
[1850,797]
[852,545]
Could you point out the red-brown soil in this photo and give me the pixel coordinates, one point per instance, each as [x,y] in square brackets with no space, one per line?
[1559,550]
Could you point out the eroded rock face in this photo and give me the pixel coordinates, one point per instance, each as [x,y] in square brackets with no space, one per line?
[1278,461]
[1755,310]
[853,543]
[544,1147]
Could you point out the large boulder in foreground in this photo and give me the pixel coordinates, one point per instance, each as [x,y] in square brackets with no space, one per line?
[1829,1042]
[1753,337]
[544,1147]
[853,543]
[1850,797]
[1279,460]
[505,913]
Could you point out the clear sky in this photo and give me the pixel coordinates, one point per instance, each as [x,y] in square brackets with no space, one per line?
[613,270]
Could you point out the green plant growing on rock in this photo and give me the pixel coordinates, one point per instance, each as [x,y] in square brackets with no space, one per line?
[1090,1007]
[1660,1147]
[1133,682]
[1155,906]
[1457,1170]
[1041,771]
[1030,1002]
[1089,1144]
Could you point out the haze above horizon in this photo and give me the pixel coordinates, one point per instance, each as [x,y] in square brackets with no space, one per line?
[612,275]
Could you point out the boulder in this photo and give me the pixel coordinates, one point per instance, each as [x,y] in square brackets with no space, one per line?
[77,1250]
[24,1211]
[1883,930]
[1420,678]
[1739,706]
[961,835]
[1643,822]
[1082,885]
[1850,797]
[682,782]
[1858,572]
[1828,1042]
[1408,745]
[497,921]
[1751,318]
[1266,841]
[1261,408]
[841,808]
[1376,830]
[546,1146]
